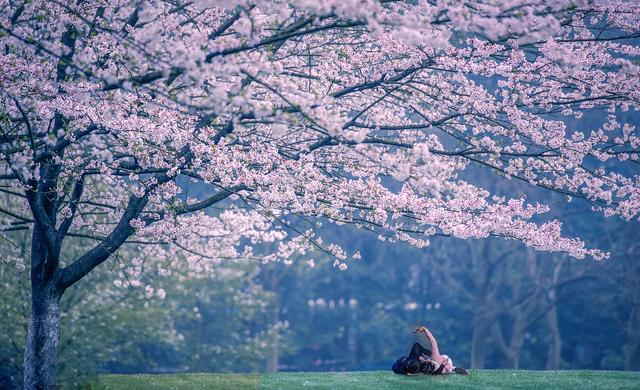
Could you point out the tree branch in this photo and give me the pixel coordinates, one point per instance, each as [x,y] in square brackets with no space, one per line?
[78,188]
[98,254]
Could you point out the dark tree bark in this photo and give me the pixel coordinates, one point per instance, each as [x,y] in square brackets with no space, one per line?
[40,356]
[43,333]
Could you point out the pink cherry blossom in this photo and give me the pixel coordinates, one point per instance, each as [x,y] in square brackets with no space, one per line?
[216,131]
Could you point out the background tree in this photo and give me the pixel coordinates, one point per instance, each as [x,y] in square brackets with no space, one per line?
[331,320]
[429,286]
[141,329]
[121,122]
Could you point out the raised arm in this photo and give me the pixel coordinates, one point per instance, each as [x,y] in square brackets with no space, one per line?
[435,352]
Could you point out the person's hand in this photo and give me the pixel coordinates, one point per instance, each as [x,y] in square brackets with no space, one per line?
[421,329]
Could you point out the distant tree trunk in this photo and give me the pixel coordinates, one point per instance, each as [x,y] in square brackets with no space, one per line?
[512,360]
[632,342]
[481,323]
[554,347]
[273,360]
[632,345]
[352,335]
[555,342]
[511,351]
[40,355]
[478,347]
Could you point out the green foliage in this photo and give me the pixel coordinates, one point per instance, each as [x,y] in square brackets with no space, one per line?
[220,320]
[13,326]
[205,323]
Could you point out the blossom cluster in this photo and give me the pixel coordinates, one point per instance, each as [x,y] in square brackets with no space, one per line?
[247,124]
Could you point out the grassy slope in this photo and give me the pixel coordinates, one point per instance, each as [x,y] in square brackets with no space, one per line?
[486,379]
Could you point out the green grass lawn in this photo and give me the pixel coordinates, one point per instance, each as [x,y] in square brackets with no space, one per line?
[485,379]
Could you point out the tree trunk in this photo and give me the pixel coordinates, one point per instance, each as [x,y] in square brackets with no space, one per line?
[273,361]
[352,335]
[510,352]
[512,357]
[40,355]
[478,347]
[555,340]
[512,360]
[632,345]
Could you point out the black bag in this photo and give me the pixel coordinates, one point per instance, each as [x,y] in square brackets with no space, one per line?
[399,367]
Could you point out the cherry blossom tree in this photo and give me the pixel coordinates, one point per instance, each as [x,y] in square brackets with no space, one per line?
[214,128]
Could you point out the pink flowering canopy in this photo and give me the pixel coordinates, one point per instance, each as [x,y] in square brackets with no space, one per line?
[285,114]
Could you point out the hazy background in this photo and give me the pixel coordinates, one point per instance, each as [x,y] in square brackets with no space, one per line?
[491,303]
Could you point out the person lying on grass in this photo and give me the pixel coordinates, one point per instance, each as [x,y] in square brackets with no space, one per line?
[422,360]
